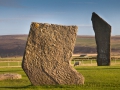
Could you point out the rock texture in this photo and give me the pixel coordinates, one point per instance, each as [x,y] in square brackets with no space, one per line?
[102,35]
[47,54]
[10,76]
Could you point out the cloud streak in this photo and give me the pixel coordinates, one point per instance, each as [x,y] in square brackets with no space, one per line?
[10,4]
[83,2]
[25,17]
[31,16]
[85,26]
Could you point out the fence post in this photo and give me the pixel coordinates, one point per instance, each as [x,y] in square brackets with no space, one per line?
[82,61]
[18,63]
[91,61]
[115,60]
[8,64]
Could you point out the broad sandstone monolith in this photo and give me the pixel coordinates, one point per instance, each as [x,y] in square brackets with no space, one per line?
[103,36]
[47,54]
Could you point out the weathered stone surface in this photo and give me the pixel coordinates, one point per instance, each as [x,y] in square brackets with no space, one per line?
[10,76]
[46,58]
[102,35]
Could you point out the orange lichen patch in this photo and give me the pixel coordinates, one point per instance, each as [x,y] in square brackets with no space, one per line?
[36,25]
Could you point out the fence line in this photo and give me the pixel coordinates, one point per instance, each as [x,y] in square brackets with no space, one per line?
[4,64]
[8,66]
[83,62]
[92,61]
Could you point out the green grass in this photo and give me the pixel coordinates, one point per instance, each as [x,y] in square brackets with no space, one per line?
[115,45]
[90,42]
[11,59]
[104,77]
[22,38]
[87,42]
[14,84]
[96,78]
[10,63]
[85,61]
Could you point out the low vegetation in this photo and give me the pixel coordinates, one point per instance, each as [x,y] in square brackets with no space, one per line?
[14,45]
[96,78]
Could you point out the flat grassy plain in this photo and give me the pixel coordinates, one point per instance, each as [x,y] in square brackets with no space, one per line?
[11,59]
[89,41]
[14,45]
[96,78]
[86,41]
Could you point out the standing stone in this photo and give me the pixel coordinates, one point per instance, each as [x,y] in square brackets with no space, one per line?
[47,54]
[102,35]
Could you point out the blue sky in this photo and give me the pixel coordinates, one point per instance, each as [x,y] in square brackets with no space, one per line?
[17,15]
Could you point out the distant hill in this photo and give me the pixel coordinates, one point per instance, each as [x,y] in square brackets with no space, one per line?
[14,45]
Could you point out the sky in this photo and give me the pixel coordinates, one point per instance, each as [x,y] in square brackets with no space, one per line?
[16,15]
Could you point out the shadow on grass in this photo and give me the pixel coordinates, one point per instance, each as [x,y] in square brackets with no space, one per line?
[112,68]
[43,86]
[22,87]
[12,71]
[86,68]
[98,68]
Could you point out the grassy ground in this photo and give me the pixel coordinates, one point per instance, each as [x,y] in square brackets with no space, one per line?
[88,42]
[96,78]
[6,62]
[83,62]
[11,59]
[88,62]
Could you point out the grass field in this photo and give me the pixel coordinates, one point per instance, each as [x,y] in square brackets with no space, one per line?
[16,62]
[13,62]
[11,59]
[14,45]
[86,41]
[96,78]
[89,41]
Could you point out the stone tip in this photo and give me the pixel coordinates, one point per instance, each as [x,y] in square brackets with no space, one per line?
[94,15]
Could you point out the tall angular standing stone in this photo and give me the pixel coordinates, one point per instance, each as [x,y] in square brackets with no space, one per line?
[102,35]
[47,54]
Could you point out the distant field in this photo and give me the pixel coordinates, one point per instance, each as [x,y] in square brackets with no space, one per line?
[14,45]
[86,41]
[85,61]
[89,41]
[87,44]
